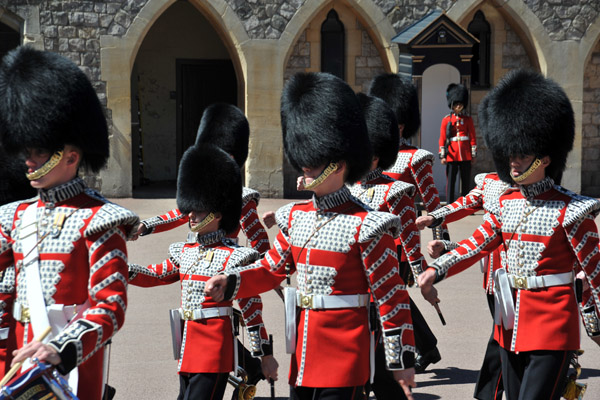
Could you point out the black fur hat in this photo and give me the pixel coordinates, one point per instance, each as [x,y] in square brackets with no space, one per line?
[401,95]
[457,93]
[47,102]
[225,126]
[527,114]
[383,129]
[209,180]
[14,185]
[322,122]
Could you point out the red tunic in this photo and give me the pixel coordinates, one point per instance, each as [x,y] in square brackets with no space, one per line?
[415,166]
[382,193]
[462,144]
[546,230]
[84,261]
[207,344]
[249,222]
[338,248]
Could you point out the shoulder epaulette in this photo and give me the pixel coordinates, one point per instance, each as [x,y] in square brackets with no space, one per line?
[479,179]
[108,216]
[282,216]
[579,206]
[250,194]
[242,256]
[175,250]
[7,215]
[421,156]
[399,189]
[376,224]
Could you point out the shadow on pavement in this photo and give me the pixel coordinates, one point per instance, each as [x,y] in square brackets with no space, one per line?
[448,376]
[589,373]
[156,190]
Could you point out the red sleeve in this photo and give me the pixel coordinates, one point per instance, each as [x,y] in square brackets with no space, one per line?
[442,142]
[253,228]
[402,206]
[165,222]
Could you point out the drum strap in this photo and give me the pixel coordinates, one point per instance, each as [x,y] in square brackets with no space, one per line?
[35,294]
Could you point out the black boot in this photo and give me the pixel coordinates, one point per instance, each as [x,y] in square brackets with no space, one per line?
[422,361]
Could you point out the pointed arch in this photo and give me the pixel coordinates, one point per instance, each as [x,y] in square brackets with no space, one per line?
[374,21]
[118,55]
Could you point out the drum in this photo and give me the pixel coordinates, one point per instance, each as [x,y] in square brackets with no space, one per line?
[40,382]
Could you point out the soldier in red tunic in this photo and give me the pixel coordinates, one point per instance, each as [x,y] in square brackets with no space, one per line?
[14,186]
[414,166]
[547,232]
[209,191]
[225,126]
[458,143]
[68,244]
[341,250]
[382,193]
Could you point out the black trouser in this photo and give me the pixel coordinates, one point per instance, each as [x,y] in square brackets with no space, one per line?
[425,340]
[343,393]
[251,365]
[384,386]
[489,381]
[203,386]
[534,375]
[452,170]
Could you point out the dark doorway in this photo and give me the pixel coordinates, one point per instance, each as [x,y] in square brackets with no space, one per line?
[333,46]
[199,84]
[9,39]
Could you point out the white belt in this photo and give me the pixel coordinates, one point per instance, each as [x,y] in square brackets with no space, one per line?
[21,313]
[503,282]
[319,301]
[538,282]
[205,313]
[459,138]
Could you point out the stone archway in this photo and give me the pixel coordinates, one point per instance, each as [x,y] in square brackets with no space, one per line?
[118,55]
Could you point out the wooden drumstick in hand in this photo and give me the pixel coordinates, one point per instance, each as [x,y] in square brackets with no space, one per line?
[18,365]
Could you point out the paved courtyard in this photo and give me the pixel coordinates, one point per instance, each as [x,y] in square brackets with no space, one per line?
[142,365]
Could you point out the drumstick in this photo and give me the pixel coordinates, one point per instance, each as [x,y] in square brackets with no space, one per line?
[18,365]
[439,312]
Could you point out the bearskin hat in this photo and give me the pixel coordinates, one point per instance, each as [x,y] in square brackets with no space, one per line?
[47,102]
[401,95]
[527,114]
[322,122]
[14,185]
[457,93]
[210,180]
[382,127]
[225,126]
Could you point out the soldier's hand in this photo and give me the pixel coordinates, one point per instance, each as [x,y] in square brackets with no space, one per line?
[215,287]
[35,349]
[300,184]
[140,229]
[269,366]
[443,161]
[435,248]
[430,293]
[426,278]
[424,221]
[406,379]
[269,219]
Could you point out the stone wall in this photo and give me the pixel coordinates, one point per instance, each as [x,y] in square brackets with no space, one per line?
[299,60]
[369,63]
[590,163]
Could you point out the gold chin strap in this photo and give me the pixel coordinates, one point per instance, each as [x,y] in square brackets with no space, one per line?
[331,168]
[207,220]
[534,165]
[47,167]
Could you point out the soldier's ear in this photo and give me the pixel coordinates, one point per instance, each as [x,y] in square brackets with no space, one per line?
[545,161]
